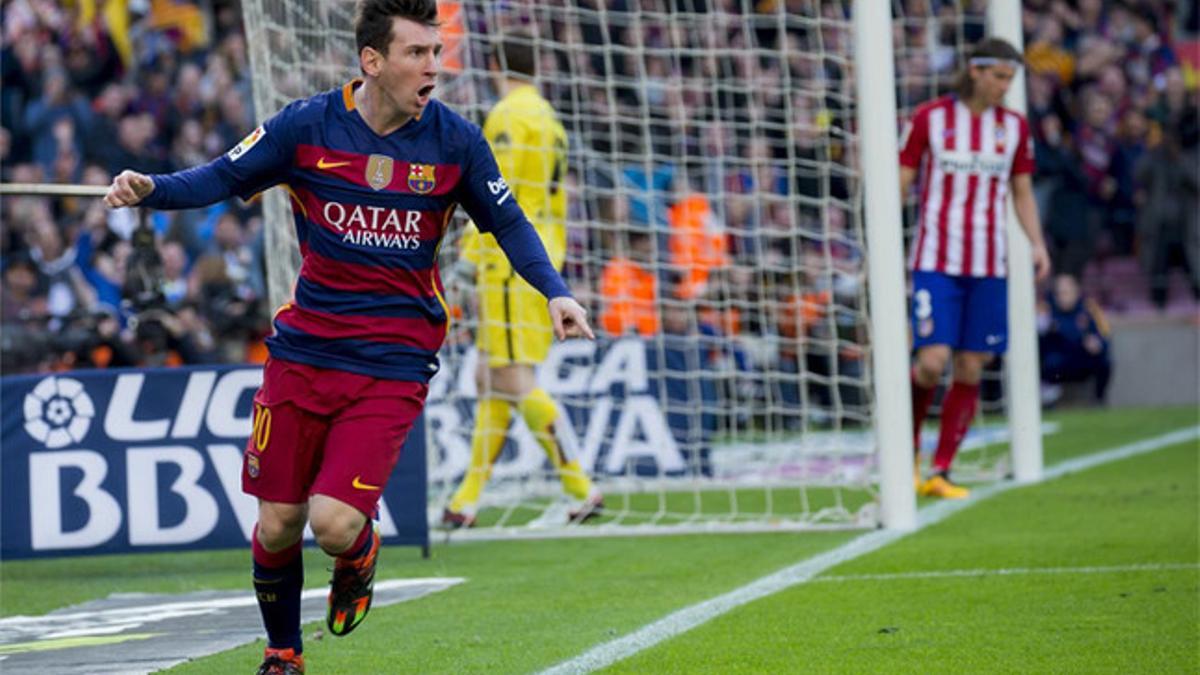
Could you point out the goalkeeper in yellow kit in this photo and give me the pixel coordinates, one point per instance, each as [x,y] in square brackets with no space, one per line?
[515,333]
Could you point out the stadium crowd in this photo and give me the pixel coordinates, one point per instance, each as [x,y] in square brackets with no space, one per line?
[92,89]
[712,180]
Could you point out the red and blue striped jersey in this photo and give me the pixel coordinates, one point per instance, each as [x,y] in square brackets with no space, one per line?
[370,213]
[969,161]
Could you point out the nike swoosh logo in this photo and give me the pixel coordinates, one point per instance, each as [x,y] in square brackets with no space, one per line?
[363,486]
[322,164]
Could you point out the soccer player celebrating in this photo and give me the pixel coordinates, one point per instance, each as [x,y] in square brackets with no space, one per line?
[514,332]
[375,170]
[969,150]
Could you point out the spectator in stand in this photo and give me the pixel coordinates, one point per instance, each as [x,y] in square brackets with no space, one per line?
[1168,190]
[21,297]
[1172,101]
[1046,54]
[1129,148]
[134,147]
[231,245]
[629,289]
[697,242]
[66,288]
[1095,144]
[107,111]
[1068,225]
[91,58]
[102,255]
[56,122]
[1150,57]
[690,387]
[212,294]
[174,267]
[800,307]
[154,100]
[1073,341]
[162,340]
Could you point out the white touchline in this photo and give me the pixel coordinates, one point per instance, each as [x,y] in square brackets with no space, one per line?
[1009,572]
[104,621]
[681,621]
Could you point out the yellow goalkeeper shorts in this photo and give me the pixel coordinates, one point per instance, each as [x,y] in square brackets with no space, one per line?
[514,323]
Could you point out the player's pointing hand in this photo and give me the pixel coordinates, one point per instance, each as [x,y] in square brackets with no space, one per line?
[570,319]
[127,189]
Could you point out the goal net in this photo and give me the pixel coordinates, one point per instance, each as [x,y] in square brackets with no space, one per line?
[712,155]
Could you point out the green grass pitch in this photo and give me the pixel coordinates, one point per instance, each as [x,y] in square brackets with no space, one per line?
[1102,574]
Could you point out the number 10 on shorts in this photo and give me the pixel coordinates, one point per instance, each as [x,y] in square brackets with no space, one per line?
[261,432]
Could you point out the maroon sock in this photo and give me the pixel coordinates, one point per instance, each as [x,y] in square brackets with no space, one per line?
[276,559]
[958,409]
[361,544]
[922,397]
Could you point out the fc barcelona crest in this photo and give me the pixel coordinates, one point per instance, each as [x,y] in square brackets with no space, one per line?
[421,179]
[380,169]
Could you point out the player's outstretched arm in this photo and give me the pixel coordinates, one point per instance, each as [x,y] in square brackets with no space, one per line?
[260,160]
[488,200]
[525,252]
[128,189]
[569,318]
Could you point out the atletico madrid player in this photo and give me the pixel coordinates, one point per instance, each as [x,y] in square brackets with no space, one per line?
[374,170]
[969,151]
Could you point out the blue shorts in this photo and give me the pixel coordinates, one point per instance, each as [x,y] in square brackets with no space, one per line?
[966,313]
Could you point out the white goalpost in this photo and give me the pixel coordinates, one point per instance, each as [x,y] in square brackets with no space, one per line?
[735,153]
[881,206]
[1024,400]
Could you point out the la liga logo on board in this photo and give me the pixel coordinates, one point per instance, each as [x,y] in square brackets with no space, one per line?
[58,412]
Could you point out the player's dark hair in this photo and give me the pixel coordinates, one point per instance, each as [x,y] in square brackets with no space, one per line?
[991,48]
[515,53]
[373,20]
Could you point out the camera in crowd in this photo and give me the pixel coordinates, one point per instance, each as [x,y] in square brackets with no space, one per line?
[144,278]
[84,339]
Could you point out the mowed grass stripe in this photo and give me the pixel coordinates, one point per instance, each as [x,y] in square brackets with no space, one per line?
[1140,513]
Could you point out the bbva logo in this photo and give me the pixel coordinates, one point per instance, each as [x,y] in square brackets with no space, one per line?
[58,412]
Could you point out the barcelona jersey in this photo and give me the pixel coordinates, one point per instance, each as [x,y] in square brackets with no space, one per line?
[370,212]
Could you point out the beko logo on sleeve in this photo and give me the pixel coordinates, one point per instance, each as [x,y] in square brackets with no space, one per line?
[499,187]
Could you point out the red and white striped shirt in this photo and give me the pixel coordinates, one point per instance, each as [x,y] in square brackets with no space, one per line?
[968,163]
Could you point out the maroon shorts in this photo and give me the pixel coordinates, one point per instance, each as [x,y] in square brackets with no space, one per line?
[330,432]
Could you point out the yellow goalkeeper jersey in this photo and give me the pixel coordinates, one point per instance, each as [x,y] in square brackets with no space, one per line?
[530,145]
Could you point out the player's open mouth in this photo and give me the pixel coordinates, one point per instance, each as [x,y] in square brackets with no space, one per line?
[424,92]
